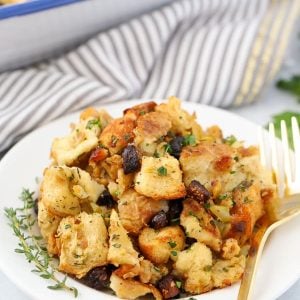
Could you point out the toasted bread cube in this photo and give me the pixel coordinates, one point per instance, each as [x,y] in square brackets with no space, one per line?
[160,178]
[199,224]
[139,110]
[227,272]
[65,189]
[230,248]
[121,251]
[117,134]
[136,210]
[48,224]
[149,273]
[160,245]
[152,126]
[82,243]
[83,138]
[183,123]
[194,265]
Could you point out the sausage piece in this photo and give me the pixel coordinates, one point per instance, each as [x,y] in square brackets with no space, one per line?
[198,192]
[168,287]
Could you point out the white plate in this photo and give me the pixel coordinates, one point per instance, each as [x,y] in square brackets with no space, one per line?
[278,270]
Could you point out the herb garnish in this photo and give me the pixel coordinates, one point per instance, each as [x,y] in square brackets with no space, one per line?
[230,140]
[178,284]
[21,220]
[168,148]
[207,268]
[172,244]
[93,123]
[189,140]
[291,85]
[162,171]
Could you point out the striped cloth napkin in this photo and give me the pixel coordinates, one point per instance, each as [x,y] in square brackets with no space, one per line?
[216,52]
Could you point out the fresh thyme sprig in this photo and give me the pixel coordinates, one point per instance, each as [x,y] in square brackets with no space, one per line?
[21,220]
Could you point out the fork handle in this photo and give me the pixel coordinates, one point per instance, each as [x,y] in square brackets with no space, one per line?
[247,283]
[246,287]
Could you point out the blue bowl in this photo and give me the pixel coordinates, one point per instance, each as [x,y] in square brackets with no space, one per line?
[28,7]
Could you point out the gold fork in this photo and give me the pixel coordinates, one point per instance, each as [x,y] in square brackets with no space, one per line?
[286,169]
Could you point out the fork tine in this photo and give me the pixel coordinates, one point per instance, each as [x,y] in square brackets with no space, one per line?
[286,154]
[274,158]
[296,141]
[262,149]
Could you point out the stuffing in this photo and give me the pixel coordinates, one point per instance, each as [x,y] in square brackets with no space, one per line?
[136,210]
[151,127]
[81,247]
[132,289]
[105,202]
[82,139]
[91,113]
[207,162]
[160,178]
[111,165]
[117,134]
[121,251]
[149,273]
[160,245]
[48,224]
[194,266]
[124,181]
[199,224]
[64,190]
[183,123]
[230,248]
[139,110]
[247,210]
[226,272]
[221,167]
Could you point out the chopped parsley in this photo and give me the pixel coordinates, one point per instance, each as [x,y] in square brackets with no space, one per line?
[222,197]
[172,244]
[67,226]
[114,140]
[236,158]
[231,139]
[115,237]
[127,137]
[232,172]
[189,140]
[206,205]
[178,284]
[168,148]
[175,221]
[247,200]
[174,253]
[93,123]
[162,171]
[191,213]
[207,268]
[117,245]
[156,154]
[156,269]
